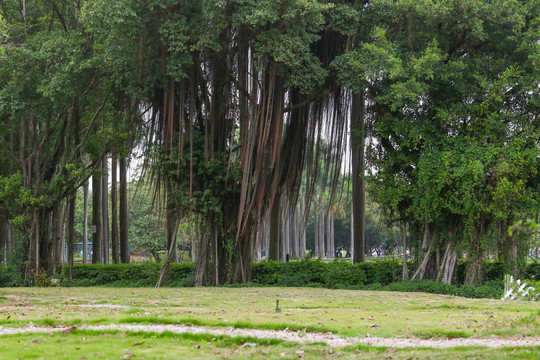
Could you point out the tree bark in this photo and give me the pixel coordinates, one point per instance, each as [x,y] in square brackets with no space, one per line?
[71,236]
[105,209]
[114,210]
[85,226]
[405,275]
[359,196]
[124,219]
[316,229]
[97,219]
[275,229]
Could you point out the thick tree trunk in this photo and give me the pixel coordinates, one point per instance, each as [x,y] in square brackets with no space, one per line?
[446,270]
[71,237]
[114,210]
[124,219]
[97,220]
[359,196]
[58,235]
[286,234]
[275,230]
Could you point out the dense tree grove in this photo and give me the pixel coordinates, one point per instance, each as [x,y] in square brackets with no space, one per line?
[249,115]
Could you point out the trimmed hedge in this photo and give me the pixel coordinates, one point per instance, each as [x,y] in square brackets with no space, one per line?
[373,275]
[128,275]
[336,274]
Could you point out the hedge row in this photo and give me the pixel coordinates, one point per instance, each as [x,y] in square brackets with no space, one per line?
[114,275]
[375,275]
[345,274]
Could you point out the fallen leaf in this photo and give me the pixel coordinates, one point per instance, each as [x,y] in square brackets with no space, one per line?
[138,343]
[69,329]
[242,346]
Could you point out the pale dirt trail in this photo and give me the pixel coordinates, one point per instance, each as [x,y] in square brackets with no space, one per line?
[288,335]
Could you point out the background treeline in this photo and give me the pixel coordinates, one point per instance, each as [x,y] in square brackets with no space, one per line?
[249,115]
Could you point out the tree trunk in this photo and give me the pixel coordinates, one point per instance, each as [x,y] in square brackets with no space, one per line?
[316,228]
[172,253]
[114,210]
[322,247]
[172,229]
[405,275]
[275,229]
[124,219]
[85,221]
[105,209]
[97,220]
[359,196]
[57,236]
[352,232]
[5,240]
[71,236]
[287,234]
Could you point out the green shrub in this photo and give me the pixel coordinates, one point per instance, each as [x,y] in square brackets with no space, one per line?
[532,271]
[129,275]
[6,276]
[343,274]
[295,273]
[181,275]
[494,270]
[491,290]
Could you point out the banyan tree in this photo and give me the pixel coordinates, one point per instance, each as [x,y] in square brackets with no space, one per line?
[246,99]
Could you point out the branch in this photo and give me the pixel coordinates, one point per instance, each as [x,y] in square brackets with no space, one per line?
[98,111]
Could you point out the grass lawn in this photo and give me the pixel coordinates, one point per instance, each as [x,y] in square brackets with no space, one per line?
[343,312]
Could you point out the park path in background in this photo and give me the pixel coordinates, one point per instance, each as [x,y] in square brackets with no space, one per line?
[290,335]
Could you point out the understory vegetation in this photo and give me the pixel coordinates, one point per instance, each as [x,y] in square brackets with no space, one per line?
[375,275]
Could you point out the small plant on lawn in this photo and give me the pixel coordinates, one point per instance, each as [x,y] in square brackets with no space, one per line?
[519,290]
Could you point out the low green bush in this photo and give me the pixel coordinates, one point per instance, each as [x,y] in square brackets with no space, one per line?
[338,274]
[129,275]
[6,276]
[533,271]
[343,274]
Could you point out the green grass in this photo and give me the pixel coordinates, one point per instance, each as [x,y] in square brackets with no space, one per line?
[344,312]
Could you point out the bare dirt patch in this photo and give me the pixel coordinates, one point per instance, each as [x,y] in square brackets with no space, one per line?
[296,336]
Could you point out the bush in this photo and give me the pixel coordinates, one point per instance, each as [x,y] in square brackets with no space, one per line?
[6,276]
[296,273]
[129,275]
[532,271]
[494,270]
[343,274]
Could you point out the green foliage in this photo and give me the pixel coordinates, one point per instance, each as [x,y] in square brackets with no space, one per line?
[492,270]
[7,276]
[129,275]
[344,274]
[336,274]
[533,271]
